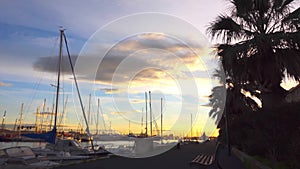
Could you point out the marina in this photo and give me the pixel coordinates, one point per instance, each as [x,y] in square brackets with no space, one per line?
[119,84]
[49,144]
[65,158]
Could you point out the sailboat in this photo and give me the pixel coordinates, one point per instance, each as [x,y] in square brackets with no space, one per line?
[153,144]
[203,137]
[64,145]
[50,136]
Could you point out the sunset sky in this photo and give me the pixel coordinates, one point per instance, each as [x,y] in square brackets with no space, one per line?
[167,65]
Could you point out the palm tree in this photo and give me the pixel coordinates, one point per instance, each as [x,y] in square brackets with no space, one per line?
[260,44]
[217,98]
[221,96]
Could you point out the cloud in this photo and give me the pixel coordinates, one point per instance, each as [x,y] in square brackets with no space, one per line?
[109,90]
[118,113]
[144,59]
[135,101]
[155,53]
[5,84]
[50,64]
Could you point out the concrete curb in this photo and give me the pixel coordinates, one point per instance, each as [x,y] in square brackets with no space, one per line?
[248,161]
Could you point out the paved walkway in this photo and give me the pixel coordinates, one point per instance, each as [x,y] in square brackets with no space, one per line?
[173,159]
[228,162]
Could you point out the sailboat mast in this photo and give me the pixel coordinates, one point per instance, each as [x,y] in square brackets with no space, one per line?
[142,121]
[20,121]
[191,125]
[150,113]
[58,77]
[43,115]
[97,120]
[51,136]
[3,118]
[146,114]
[36,120]
[51,117]
[101,111]
[44,105]
[15,125]
[77,88]
[161,119]
[129,128]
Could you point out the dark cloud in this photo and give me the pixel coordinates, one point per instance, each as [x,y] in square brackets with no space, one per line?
[50,64]
[145,42]
[156,52]
[158,41]
[109,65]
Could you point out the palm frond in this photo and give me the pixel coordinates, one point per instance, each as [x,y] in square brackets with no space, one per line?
[262,6]
[267,44]
[281,6]
[219,74]
[226,28]
[285,40]
[235,59]
[278,3]
[289,60]
[287,3]
[242,7]
[293,20]
[217,102]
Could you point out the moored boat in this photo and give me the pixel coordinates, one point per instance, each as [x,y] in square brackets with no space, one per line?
[23,156]
[74,148]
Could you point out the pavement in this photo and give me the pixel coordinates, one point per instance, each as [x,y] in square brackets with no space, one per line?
[174,159]
[228,162]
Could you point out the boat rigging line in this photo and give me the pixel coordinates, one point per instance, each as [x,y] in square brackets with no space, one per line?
[77,89]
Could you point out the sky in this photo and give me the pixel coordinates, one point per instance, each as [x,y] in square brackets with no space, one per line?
[121,49]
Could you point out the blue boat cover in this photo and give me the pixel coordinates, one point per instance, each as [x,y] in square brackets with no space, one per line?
[48,136]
